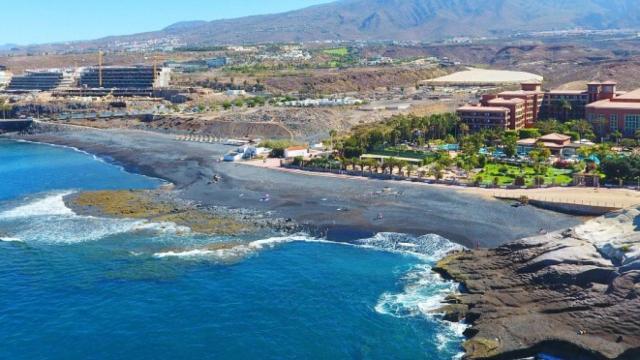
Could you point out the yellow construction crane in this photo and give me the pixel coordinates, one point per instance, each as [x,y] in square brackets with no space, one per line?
[155,67]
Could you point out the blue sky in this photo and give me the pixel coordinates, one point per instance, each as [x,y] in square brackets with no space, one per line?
[41,21]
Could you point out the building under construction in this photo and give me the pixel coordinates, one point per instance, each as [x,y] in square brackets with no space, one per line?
[134,77]
[36,81]
[119,81]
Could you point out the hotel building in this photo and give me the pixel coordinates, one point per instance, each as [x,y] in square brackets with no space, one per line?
[615,113]
[538,104]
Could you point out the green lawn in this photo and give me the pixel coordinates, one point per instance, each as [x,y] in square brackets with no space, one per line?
[553,175]
[338,52]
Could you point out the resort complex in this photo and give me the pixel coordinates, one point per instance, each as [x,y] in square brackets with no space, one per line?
[359,179]
[615,113]
[601,103]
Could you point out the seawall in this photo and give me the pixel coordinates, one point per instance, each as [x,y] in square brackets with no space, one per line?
[12,125]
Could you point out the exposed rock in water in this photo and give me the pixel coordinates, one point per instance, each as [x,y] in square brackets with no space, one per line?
[566,292]
[156,207]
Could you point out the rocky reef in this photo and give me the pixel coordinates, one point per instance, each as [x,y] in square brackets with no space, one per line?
[162,206]
[574,293]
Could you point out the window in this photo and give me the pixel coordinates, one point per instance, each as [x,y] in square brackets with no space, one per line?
[631,123]
[613,122]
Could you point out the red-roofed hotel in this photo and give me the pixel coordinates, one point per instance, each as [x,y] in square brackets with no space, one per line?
[615,112]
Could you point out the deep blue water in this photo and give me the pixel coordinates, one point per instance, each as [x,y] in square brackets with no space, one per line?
[74,287]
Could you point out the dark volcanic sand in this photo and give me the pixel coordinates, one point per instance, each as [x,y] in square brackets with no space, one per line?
[338,206]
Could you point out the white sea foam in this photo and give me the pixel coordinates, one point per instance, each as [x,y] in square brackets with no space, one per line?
[51,205]
[49,220]
[160,227]
[423,290]
[235,252]
[423,294]
[10,239]
[429,247]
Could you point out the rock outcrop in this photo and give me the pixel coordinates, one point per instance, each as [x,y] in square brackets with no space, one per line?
[566,293]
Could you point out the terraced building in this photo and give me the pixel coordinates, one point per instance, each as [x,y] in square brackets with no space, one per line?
[33,81]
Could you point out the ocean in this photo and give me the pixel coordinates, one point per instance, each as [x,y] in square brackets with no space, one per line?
[79,287]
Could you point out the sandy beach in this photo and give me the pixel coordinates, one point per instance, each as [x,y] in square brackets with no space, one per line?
[329,206]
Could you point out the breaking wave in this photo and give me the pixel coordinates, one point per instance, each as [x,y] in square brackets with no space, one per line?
[423,291]
[234,252]
[10,239]
[52,205]
[49,220]
[429,247]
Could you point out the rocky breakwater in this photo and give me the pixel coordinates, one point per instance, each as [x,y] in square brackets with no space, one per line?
[574,293]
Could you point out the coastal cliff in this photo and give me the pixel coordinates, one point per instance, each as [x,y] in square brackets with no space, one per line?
[565,293]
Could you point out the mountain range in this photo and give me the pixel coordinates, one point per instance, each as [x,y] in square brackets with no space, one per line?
[410,20]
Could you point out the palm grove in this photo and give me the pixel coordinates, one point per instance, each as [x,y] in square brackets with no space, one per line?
[422,137]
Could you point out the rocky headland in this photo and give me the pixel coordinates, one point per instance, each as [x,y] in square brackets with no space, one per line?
[573,293]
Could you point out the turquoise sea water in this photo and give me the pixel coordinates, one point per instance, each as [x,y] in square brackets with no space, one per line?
[75,287]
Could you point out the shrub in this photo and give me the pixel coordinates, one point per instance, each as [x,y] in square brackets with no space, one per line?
[529,133]
[574,135]
[277,147]
[482,161]
[562,164]
[297,161]
[519,181]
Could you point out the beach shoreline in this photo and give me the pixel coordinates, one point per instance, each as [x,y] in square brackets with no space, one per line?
[328,207]
[618,198]
[339,208]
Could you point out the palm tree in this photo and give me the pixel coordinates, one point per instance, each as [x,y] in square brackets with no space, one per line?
[437,172]
[370,163]
[464,129]
[4,106]
[348,162]
[362,163]
[332,135]
[582,127]
[357,162]
[391,165]
[566,108]
[601,123]
[616,136]
[384,166]
[402,164]
[376,165]
[410,169]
